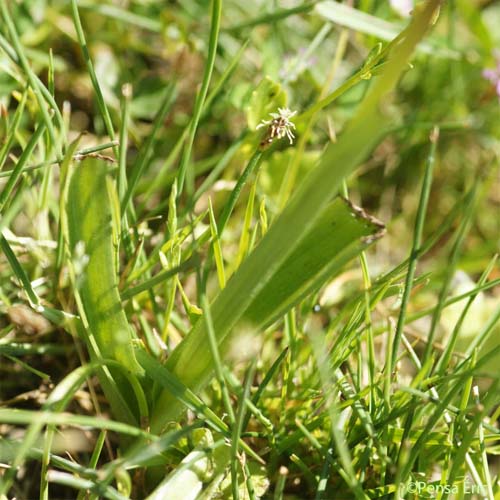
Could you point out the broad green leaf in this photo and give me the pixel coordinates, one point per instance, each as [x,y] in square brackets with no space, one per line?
[338,235]
[232,306]
[107,332]
[90,224]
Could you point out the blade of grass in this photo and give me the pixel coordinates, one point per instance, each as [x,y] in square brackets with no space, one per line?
[237,429]
[488,402]
[147,149]
[17,171]
[89,221]
[217,250]
[244,247]
[79,155]
[53,315]
[272,17]
[347,16]
[11,52]
[159,373]
[13,126]
[78,483]
[125,15]
[124,124]
[93,77]
[337,432]
[252,166]
[482,336]
[417,242]
[162,177]
[450,269]
[34,82]
[217,360]
[200,99]
[482,447]
[188,265]
[450,344]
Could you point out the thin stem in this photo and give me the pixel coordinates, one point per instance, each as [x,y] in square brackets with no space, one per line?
[417,241]
[200,100]
[93,77]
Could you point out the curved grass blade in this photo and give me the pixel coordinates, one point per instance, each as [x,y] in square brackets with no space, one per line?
[338,236]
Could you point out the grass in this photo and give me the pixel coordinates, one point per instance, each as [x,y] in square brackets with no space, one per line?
[191,307]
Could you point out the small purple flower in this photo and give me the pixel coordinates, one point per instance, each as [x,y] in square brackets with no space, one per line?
[493,74]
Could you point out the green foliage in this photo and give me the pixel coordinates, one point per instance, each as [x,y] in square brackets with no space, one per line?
[92,246]
[265,99]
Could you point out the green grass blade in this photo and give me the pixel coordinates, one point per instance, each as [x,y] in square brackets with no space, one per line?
[216,247]
[238,428]
[450,269]
[448,351]
[214,349]
[81,484]
[89,221]
[341,232]
[9,140]
[17,171]
[146,150]
[122,14]
[417,241]
[202,94]
[93,77]
[272,17]
[337,236]
[107,334]
[34,82]
[188,265]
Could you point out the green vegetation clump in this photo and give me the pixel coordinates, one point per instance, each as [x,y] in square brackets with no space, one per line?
[249,250]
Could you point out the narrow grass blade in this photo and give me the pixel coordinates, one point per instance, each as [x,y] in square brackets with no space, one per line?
[34,82]
[217,250]
[93,77]
[146,150]
[417,241]
[216,358]
[448,351]
[202,94]
[272,17]
[124,15]
[9,140]
[17,171]
[450,269]
[188,265]
[237,429]
[81,484]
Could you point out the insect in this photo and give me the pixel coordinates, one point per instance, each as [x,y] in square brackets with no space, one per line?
[279,127]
